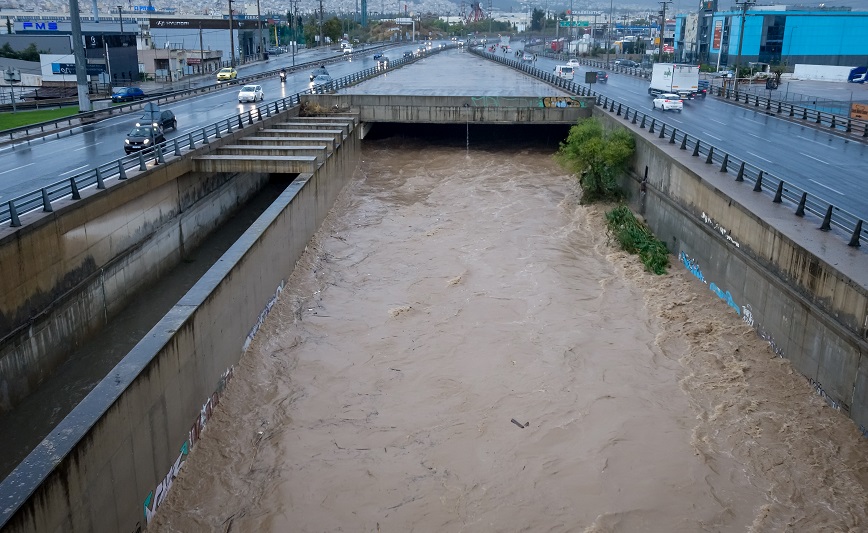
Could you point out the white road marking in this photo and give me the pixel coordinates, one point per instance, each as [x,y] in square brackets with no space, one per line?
[73,170]
[760,157]
[16,168]
[817,142]
[88,146]
[713,137]
[827,187]
[815,158]
[719,122]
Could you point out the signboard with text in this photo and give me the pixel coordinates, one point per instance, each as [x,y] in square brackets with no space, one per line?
[859,111]
[576,24]
[69,69]
[718,35]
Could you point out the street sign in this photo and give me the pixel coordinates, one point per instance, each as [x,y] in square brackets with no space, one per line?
[404,21]
[576,24]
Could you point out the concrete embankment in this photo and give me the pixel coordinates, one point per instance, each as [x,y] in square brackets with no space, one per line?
[803,290]
[110,463]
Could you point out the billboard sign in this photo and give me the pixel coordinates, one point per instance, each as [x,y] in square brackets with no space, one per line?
[718,35]
[69,69]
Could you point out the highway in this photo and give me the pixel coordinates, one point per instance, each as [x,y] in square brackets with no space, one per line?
[815,160]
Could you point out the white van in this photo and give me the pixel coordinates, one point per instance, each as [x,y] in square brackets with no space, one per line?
[563,71]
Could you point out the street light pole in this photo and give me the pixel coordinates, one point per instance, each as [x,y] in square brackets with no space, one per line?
[121,15]
[259,48]
[662,30]
[231,38]
[744,7]
[609,27]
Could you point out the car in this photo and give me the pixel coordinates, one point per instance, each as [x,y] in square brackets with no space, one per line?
[348,50]
[602,76]
[321,80]
[321,71]
[165,121]
[378,55]
[626,63]
[408,54]
[226,74]
[527,57]
[383,61]
[573,63]
[250,93]
[702,87]
[127,94]
[143,138]
[724,74]
[669,101]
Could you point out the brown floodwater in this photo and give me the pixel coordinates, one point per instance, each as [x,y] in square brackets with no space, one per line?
[461,348]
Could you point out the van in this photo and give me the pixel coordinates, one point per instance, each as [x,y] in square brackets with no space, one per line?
[563,71]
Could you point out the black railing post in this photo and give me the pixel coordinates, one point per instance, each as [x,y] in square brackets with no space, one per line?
[725,163]
[696,149]
[854,240]
[740,176]
[14,221]
[76,195]
[46,202]
[710,155]
[800,211]
[122,172]
[827,220]
[758,186]
[100,184]
[779,193]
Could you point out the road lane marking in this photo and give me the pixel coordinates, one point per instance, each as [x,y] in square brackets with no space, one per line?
[719,122]
[16,168]
[88,146]
[817,142]
[757,136]
[713,137]
[73,170]
[815,158]
[761,157]
[827,187]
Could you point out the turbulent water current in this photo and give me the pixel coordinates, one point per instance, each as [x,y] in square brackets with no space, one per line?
[461,348]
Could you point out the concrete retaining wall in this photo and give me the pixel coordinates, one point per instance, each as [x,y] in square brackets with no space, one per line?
[110,463]
[802,289]
[66,273]
[458,109]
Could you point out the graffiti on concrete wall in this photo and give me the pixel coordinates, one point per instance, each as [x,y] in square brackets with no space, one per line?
[563,101]
[822,394]
[262,315]
[720,229]
[158,495]
[693,267]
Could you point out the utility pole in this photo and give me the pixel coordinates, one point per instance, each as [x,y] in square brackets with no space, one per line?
[259,47]
[662,29]
[609,27]
[121,15]
[321,38]
[201,52]
[231,38]
[80,60]
[744,5]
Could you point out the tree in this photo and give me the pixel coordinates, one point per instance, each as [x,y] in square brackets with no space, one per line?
[536,19]
[598,157]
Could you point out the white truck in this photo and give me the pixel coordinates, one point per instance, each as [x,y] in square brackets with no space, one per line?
[674,78]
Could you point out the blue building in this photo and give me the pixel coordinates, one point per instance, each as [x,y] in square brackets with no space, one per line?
[783,35]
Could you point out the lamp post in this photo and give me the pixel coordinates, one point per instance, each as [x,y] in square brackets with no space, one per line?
[744,7]
[231,38]
[259,31]
[609,27]
[121,15]
[662,30]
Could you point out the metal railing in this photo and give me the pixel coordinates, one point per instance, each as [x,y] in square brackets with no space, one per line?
[782,192]
[98,177]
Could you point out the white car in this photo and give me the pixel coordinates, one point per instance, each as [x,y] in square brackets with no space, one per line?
[668,101]
[573,63]
[250,93]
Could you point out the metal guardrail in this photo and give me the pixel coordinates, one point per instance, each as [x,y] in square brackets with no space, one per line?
[71,188]
[68,124]
[762,180]
[812,112]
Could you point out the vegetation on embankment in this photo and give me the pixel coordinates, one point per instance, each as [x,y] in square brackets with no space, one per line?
[599,158]
[24,118]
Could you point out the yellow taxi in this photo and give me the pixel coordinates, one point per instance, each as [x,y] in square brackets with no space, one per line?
[227,74]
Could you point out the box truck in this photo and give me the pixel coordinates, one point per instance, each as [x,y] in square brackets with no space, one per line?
[682,80]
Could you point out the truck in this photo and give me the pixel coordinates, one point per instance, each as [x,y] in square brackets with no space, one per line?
[674,78]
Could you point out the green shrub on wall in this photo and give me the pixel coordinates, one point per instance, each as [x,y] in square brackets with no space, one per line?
[598,157]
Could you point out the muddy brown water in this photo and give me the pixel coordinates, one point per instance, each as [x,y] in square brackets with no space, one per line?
[462,349]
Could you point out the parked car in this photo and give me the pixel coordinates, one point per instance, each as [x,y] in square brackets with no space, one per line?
[602,76]
[669,101]
[165,121]
[573,63]
[127,94]
[143,138]
[250,93]
[226,74]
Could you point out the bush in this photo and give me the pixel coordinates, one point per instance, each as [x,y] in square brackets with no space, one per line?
[598,158]
[635,238]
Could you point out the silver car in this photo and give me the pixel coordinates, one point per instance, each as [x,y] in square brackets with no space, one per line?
[250,93]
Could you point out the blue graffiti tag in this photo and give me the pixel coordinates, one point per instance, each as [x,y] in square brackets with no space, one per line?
[725,296]
[692,266]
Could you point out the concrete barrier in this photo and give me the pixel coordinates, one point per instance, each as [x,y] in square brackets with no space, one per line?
[800,288]
[110,463]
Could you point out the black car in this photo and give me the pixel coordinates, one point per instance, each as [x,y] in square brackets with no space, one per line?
[143,138]
[702,89]
[602,76]
[166,120]
[626,63]
[408,54]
